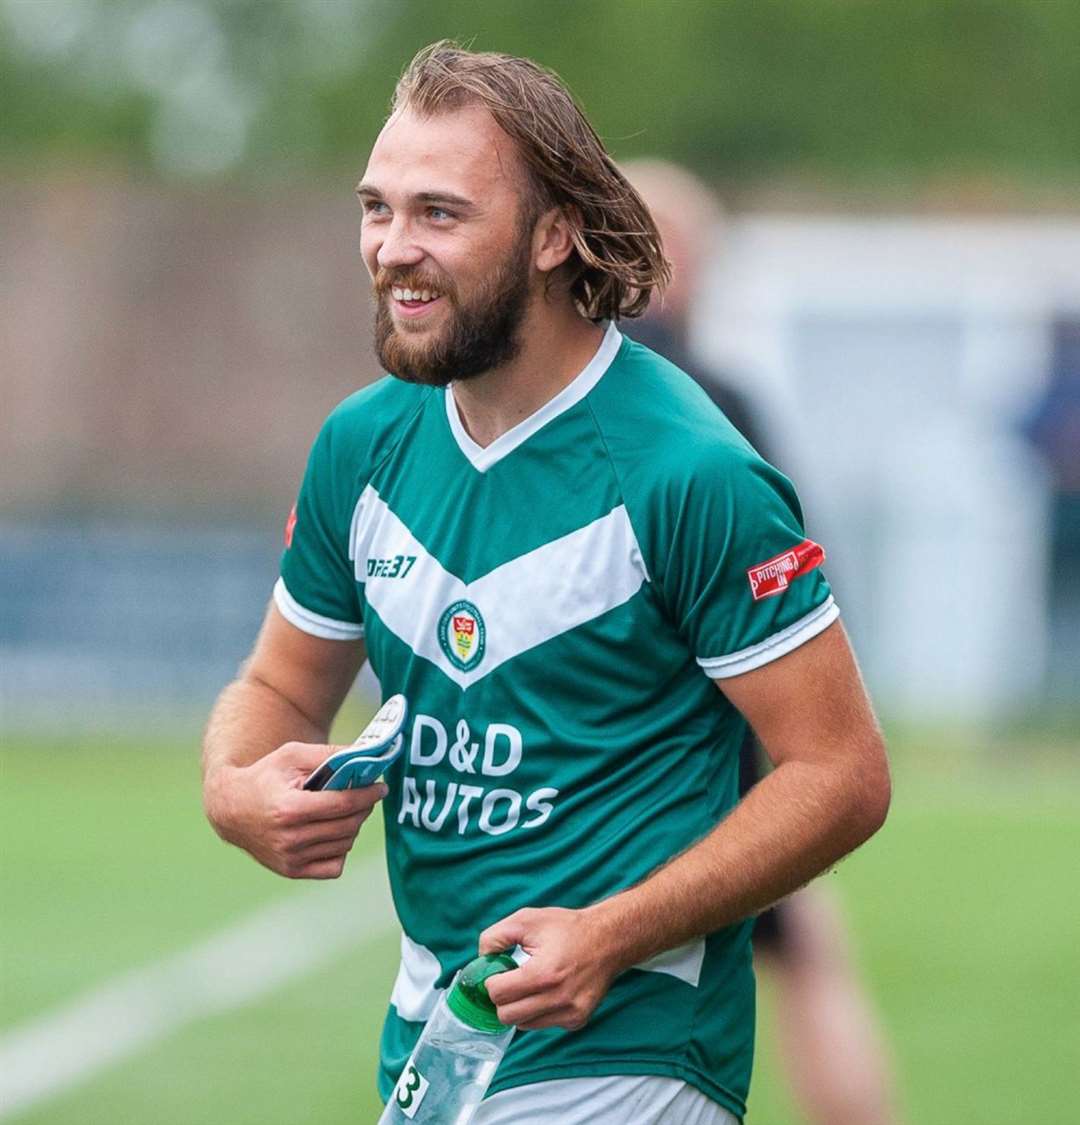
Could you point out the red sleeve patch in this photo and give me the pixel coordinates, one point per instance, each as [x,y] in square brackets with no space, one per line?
[775,575]
[290,527]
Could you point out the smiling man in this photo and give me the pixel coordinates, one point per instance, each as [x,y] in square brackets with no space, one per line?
[586,583]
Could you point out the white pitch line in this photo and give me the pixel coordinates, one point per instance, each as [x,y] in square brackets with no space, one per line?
[247,960]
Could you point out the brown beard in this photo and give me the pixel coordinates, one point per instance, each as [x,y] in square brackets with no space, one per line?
[481,334]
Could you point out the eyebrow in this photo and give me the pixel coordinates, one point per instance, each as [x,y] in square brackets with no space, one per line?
[369,191]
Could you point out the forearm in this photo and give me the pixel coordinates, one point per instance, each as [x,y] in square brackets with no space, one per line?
[288,691]
[790,827]
[249,720]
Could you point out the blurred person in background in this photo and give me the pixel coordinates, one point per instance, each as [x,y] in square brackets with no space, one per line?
[578,676]
[1054,429]
[831,1046]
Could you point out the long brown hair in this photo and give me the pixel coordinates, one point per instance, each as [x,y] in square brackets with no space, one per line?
[618,259]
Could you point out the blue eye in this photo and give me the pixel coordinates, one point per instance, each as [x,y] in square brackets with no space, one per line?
[375,207]
[439,213]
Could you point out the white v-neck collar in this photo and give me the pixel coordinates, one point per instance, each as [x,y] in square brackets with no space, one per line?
[483,457]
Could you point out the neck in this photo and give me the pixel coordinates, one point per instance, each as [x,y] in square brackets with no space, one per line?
[557,343]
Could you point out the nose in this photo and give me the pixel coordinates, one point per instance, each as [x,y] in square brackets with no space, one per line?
[398,246]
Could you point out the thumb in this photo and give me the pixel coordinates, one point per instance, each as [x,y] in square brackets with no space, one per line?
[304,755]
[504,935]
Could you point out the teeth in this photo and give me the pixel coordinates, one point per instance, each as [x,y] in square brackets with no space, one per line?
[424,295]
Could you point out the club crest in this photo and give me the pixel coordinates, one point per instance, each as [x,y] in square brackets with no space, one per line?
[462,634]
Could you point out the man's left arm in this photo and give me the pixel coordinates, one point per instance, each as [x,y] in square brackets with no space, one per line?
[829,792]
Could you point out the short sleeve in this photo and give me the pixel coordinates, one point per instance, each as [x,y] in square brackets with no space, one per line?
[743,581]
[317,591]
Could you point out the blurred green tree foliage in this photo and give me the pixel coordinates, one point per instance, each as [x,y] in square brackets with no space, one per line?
[827,92]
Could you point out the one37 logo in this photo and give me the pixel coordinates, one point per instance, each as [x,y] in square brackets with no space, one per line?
[396,567]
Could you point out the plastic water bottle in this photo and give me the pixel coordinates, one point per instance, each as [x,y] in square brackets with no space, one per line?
[458,1053]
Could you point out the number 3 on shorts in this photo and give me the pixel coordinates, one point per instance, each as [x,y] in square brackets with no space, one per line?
[410,1090]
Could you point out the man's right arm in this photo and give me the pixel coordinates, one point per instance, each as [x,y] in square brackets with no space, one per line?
[267,732]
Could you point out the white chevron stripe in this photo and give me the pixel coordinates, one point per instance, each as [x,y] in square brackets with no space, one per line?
[684,962]
[523,602]
[415,995]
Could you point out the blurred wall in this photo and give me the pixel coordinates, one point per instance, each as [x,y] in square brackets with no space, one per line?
[167,351]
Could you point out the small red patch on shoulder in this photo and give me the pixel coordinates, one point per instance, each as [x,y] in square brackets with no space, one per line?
[290,527]
[775,575]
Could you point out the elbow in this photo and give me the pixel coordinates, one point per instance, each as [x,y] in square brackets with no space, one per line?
[875,792]
[877,806]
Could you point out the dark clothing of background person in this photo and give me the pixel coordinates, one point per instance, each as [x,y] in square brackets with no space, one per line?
[1054,429]
[654,333]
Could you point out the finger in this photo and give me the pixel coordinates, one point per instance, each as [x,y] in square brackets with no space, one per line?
[534,1009]
[304,755]
[328,804]
[513,985]
[326,849]
[548,1010]
[505,934]
[320,869]
[322,830]
[565,1018]
[297,808]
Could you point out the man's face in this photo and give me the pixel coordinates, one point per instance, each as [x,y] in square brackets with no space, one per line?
[447,242]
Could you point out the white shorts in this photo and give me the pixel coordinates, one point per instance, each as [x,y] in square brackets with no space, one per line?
[622,1099]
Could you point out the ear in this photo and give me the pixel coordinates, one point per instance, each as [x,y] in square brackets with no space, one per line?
[553,238]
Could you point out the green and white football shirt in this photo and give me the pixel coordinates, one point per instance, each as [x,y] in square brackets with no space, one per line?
[555,607]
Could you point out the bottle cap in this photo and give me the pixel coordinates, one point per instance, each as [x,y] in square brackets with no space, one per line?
[468,998]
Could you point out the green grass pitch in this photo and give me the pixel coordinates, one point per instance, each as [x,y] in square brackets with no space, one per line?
[964,911]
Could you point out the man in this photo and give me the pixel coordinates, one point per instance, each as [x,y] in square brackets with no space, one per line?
[549,540]
[830,1044]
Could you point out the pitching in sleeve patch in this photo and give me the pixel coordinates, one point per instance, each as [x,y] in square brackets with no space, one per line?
[775,575]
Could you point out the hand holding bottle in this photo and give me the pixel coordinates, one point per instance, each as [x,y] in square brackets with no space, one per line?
[458,1053]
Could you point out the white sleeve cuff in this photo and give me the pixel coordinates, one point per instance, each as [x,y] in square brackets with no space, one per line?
[779,644]
[313,623]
